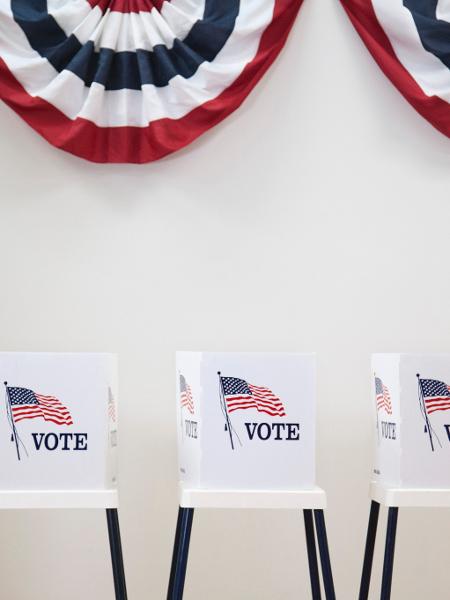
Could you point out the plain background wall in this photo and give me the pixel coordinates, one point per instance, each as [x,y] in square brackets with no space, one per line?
[315,218]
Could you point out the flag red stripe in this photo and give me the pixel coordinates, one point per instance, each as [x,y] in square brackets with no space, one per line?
[39,412]
[48,408]
[438,401]
[49,402]
[40,409]
[384,401]
[260,388]
[438,405]
[429,399]
[265,396]
[187,400]
[53,420]
[436,409]
[18,413]
[276,407]
[237,405]
[262,391]
[259,409]
[279,413]
[253,397]
[250,400]
[261,398]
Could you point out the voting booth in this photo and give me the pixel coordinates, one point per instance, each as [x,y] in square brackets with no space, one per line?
[410,400]
[58,437]
[249,421]
[246,439]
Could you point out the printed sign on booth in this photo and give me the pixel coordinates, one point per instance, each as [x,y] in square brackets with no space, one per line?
[411,399]
[58,429]
[246,420]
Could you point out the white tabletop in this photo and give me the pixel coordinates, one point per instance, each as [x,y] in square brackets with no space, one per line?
[59,499]
[409,497]
[314,498]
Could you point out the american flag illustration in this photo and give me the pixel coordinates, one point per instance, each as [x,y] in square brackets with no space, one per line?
[383,396]
[26,404]
[241,395]
[436,395]
[186,395]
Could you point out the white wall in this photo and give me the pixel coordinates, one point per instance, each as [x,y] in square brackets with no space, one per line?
[328,192]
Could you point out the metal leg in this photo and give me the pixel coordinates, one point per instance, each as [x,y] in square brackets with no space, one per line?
[180,554]
[388,565]
[176,550]
[368,554]
[324,555]
[116,553]
[312,554]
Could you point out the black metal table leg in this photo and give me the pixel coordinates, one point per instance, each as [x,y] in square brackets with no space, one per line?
[116,553]
[176,549]
[324,555]
[180,554]
[312,554]
[388,565]
[370,547]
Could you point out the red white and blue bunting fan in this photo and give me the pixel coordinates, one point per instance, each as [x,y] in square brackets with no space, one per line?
[410,40]
[134,80]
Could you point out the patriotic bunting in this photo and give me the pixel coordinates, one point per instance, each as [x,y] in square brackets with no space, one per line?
[134,80]
[410,40]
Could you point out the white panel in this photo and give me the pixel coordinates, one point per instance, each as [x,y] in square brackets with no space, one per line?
[425,443]
[249,449]
[387,426]
[41,455]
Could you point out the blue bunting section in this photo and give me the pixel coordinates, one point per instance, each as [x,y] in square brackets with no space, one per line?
[134,80]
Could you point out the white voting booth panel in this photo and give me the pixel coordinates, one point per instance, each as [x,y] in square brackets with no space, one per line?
[246,421]
[58,430]
[411,400]
[246,439]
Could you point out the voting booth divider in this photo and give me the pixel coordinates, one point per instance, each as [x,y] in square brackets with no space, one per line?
[246,439]
[58,437]
[411,404]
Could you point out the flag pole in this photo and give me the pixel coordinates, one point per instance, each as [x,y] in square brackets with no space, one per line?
[13,425]
[224,404]
[425,413]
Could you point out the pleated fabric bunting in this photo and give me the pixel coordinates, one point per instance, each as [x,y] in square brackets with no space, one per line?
[134,80]
[410,40]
